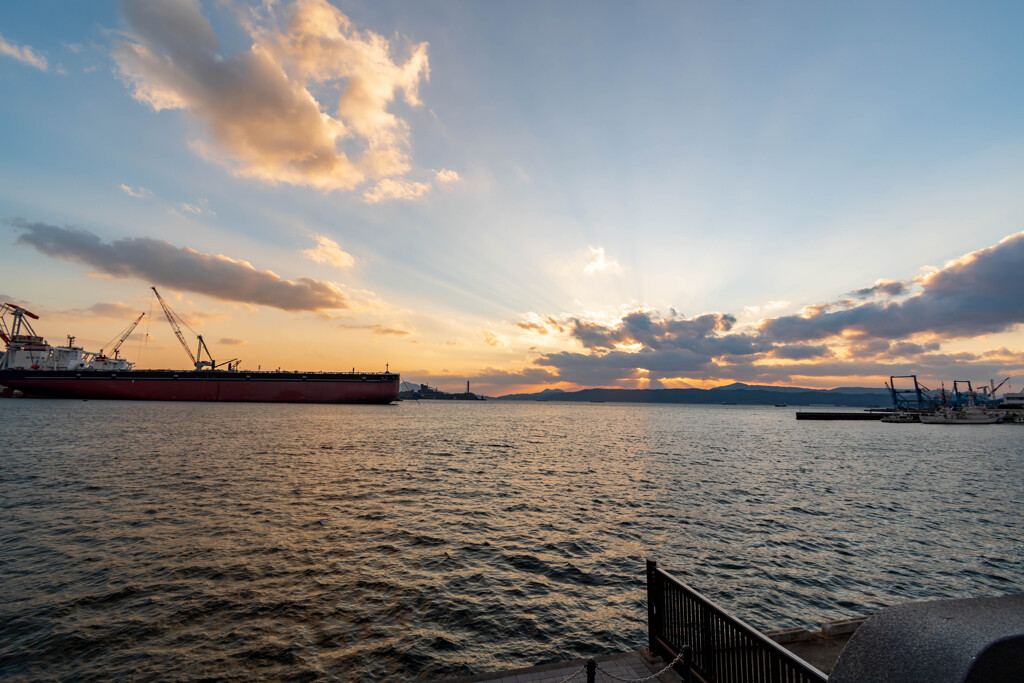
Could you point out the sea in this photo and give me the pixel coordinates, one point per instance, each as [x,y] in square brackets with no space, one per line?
[435,539]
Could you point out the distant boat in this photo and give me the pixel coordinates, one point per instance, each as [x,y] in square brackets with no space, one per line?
[780,405]
[900,417]
[970,414]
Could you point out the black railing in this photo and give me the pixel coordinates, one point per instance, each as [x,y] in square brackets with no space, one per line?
[723,648]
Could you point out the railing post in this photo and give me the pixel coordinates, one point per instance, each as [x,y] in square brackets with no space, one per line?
[686,660]
[591,670]
[710,649]
[652,612]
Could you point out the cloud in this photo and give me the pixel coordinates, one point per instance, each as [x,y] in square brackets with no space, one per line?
[971,296]
[140,193]
[258,107]
[231,341]
[492,338]
[447,177]
[388,188]
[183,269]
[190,208]
[766,308]
[23,53]
[531,327]
[107,310]
[801,352]
[889,288]
[968,298]
[704,334]
[379,330]
[598,263]
[328,251]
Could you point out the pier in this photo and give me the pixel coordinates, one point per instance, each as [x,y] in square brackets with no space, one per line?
[833,415]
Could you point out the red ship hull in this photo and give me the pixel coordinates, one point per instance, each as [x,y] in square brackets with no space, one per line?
[207,385]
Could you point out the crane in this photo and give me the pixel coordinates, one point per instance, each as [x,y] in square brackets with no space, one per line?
[125,335]
[172,318]
[17,324]
[996,387]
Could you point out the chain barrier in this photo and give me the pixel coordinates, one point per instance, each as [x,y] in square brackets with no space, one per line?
[679,658]
[574,674]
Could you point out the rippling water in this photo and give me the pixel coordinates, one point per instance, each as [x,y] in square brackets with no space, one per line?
[187,541]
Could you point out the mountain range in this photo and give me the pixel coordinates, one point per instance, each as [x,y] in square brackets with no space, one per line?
[738,393]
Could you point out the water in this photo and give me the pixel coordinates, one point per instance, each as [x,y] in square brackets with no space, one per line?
[433,539]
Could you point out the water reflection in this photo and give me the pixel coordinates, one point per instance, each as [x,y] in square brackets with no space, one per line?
[440,539]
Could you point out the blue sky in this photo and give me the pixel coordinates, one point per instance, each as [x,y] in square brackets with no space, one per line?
[525,195]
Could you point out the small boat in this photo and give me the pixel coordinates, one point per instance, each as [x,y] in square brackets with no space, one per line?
[900,417]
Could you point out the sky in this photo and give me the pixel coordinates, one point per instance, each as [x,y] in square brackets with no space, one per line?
[524,195]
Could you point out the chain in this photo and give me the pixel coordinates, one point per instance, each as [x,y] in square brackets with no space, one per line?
[574,674]
[652,677]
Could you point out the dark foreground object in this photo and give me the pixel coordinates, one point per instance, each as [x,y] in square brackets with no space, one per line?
[955,641]
[716,645]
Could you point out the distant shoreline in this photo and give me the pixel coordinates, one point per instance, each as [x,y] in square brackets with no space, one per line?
[741,395]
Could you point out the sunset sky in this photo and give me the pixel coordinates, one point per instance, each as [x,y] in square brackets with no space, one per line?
[524,195]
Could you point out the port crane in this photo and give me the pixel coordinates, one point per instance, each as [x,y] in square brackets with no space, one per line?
[900,400]
[19,322]
[124,335]
[197,357]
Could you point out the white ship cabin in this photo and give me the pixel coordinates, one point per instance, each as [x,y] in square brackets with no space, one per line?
[25,352]
[1013,400]
[28,351]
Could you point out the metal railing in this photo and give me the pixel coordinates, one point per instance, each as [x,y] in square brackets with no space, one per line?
[723,648]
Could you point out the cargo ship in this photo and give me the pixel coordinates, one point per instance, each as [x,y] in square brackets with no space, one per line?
[32,368]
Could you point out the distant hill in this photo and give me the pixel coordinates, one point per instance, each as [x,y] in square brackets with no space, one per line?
[739,393]
[550,394]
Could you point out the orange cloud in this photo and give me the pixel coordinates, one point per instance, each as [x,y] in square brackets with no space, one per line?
[258,108]
[328,251]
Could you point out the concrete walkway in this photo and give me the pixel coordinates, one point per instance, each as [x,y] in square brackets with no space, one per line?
[632,666]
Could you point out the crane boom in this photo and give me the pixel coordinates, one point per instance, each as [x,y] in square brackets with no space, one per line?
[127,333]
[174,326]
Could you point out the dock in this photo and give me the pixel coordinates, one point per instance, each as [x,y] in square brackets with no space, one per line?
[835,415]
